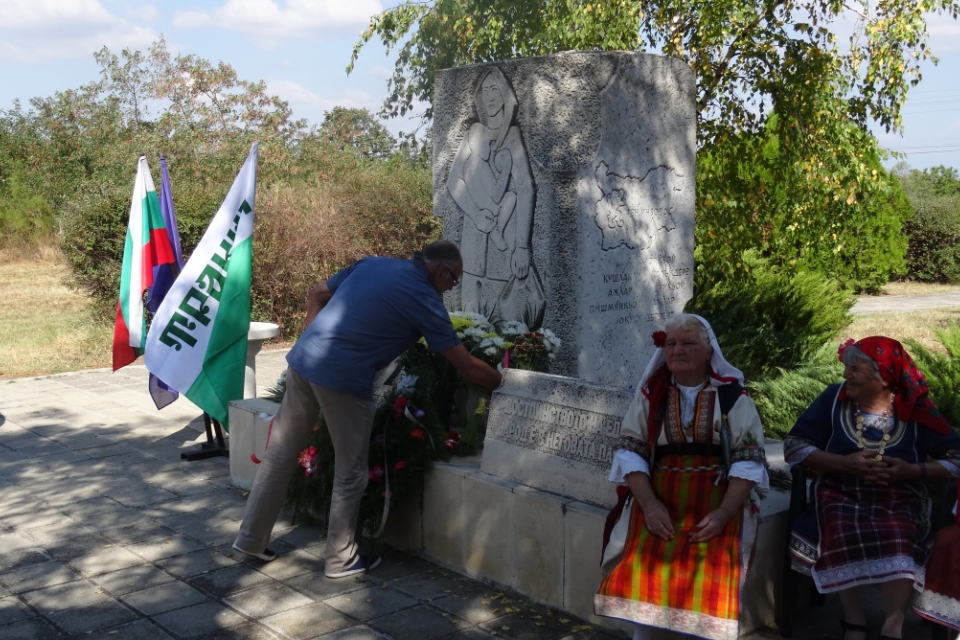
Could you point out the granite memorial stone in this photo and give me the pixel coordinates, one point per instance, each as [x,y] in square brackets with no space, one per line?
[568,182]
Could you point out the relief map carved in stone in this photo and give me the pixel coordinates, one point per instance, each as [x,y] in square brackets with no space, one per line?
[635,210]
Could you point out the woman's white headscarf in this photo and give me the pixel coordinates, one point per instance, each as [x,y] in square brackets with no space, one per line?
[721,371]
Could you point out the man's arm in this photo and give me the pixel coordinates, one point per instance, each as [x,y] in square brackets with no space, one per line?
[473,369]
[317,299]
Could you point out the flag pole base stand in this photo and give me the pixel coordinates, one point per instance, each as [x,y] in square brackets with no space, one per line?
[214,447]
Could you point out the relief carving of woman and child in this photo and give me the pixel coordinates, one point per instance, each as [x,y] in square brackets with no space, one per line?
[492,183]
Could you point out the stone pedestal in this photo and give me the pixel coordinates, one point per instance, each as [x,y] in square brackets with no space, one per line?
[547,546]
[248,436]
[259,331]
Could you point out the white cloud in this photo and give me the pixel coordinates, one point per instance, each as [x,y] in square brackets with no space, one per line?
[144,13]
[944,34]
[269,23]
[39,31]
[307,104]
[380,72]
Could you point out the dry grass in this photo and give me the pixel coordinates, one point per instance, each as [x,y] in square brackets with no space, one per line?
[919,325]
[45,327]
[916,288]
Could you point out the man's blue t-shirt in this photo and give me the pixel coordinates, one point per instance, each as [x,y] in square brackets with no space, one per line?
[380,307]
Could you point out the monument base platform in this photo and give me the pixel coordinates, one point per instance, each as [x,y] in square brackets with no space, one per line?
[540,544]
[546,546]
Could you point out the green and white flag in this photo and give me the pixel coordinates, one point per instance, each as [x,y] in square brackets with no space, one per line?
[197,342]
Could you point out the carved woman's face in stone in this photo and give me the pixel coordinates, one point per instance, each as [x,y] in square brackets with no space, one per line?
[491,95]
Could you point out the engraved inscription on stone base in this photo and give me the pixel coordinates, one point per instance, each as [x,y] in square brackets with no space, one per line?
[554,433]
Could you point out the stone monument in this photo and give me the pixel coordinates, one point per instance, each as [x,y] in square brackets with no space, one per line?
[568,182]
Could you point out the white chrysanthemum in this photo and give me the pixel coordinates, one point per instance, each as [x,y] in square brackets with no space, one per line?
[514,328]
[474,333]
[406,385]
[494,341]
[550,340]
[490,351]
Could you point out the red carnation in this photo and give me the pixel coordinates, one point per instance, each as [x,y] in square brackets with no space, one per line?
[399,466]
[419,433]
[843,347]
[399,405]
[659,338]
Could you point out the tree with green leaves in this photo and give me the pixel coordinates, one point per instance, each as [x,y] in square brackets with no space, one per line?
[752,59]
[359,131]
[934,226]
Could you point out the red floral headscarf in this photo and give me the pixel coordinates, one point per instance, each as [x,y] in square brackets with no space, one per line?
[908,384]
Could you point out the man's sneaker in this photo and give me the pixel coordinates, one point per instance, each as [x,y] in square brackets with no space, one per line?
[266,556]
[362,565]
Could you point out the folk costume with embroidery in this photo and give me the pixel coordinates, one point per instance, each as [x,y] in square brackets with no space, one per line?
[858,533]
[674,584]
[939,600]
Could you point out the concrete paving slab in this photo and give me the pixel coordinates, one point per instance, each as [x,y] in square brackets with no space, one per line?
[355,633]
[12,610]
[475,605]
[243,631]
[164,597]
[267,600]
[110,558]
[139,629]
[31,629]
[312,621]
[124,581]
[196,563]
[418,622]
[224,582]
[91,618]
[371,602]
[38,576]
[435,583]
[199,619]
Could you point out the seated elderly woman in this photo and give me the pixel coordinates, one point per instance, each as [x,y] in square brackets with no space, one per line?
[939,601]
[867,441]
[691,453]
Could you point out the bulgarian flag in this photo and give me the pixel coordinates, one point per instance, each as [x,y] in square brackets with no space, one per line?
[147,246]
[198,339]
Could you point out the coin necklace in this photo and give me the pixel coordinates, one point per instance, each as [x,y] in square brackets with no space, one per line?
[861,439]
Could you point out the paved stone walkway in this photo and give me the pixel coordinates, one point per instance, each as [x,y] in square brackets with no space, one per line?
[105,533]
[905,304]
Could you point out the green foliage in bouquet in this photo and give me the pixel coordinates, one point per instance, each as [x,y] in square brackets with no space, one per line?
[412,424]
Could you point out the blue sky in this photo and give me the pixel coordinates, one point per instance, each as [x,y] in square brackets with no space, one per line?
[300,48]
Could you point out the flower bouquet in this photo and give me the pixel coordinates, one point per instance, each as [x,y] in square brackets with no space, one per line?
[412,427]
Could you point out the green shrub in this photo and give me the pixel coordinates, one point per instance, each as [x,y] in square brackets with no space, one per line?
[25,216]
[771,320]
[94,228]
[942,371]
[933,254]
[785,394]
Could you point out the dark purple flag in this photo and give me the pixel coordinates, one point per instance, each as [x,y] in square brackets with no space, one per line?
[163,278]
